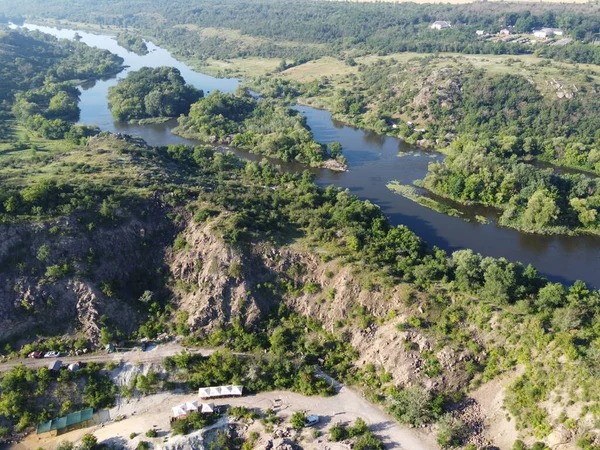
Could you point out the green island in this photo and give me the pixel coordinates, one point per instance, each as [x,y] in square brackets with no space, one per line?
[236,272]
[150,95]
[133,43]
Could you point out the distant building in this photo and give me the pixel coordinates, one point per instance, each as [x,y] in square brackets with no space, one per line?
[547,32]
[480,32]
[505,31]
[55,365]
[440,25]
[74,367]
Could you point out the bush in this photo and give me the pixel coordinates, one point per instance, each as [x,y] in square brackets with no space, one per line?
[143,445]
[298,419]
[151,433]
[132,435]
[88,442]
[451,432]
[4,432]
[337,432]
[360,427]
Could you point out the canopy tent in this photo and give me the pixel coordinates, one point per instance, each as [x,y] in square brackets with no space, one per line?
[207,408]
[185,408]
[221,391]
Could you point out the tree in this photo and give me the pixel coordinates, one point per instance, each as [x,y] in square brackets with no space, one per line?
[552,295]
[106,336]
[541,210]
[88,442]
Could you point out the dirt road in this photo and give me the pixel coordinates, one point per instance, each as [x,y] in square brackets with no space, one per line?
[153,354]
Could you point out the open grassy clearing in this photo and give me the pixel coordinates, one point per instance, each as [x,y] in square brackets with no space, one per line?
[238,67]
[546,75]
[323,67]
[33,159]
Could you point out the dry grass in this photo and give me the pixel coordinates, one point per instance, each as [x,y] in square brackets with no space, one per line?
[323,67]
[239,67]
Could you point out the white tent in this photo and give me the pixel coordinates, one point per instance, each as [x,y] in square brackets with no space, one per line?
[203,393]
[191,406]
[237,390]
[221,391]
[207,408]
[179,411]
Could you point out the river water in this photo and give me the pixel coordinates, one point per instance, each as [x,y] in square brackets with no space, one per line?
[373,160]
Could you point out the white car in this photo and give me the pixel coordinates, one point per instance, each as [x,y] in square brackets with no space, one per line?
[52,355]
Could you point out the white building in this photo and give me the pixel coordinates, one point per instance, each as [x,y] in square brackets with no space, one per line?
[505,31]
[440,25]
[480,32]
[547,32]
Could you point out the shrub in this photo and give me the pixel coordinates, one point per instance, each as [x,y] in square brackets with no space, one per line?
[132,435]
[451,432]
[151,433]
[143,445]
[180,244]
[298,419]
[337,432]
[88,442]
[4,432]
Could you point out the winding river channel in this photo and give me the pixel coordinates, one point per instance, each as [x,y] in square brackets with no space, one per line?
[373,160]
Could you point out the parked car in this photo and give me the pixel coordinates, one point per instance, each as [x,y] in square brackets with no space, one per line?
[311,420]
[35,355]
[52,355]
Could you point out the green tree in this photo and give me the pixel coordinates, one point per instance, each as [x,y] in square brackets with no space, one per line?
[541,210]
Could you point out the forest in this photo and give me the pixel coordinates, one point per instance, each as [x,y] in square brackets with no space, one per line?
[30,59]
[151,94]
[357,28]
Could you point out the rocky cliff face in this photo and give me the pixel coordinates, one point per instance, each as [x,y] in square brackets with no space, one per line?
[219,284]
[61,276]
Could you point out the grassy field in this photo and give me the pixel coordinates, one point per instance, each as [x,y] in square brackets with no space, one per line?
[323,67]
[238,67]
[30,159]
[547,75]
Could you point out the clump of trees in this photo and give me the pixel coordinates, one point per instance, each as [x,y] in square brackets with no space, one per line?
[264,127]
[152,93]
[32,59]
[29,396]
[132,43]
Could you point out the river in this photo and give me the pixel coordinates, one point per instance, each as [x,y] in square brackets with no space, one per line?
[373,160]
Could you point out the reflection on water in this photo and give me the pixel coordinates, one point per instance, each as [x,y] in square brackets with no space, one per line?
[374,161]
